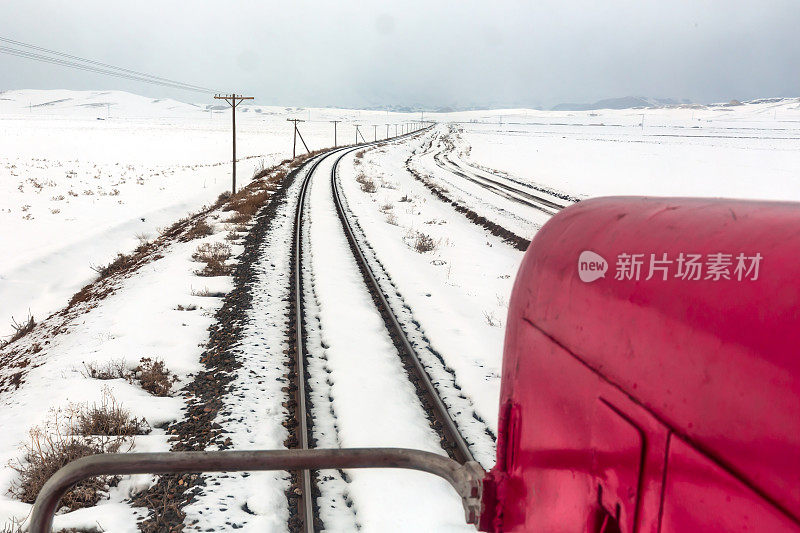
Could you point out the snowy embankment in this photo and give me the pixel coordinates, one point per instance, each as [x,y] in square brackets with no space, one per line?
[83,174]
[124,346]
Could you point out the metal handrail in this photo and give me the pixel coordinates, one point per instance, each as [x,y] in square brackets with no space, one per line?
[466,479]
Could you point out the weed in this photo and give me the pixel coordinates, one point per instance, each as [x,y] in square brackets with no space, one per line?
[121,263]
[424,243]
[214,256]
[107,419]
[367,184]
[391,219]
[115,369]
[21,328]
[200,229]
[154,377]
[53,446]
[207,293]
[143,238]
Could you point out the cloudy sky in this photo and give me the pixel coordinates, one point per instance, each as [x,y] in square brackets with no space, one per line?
[424,52]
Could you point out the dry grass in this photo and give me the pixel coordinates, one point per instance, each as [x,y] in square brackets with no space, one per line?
[154,377]
[367,184]
[200,229]
[107,419]
[214,256]
[392,219]
[424,243]
[115,369]
[21,328]
[190,307]
[84,431]
[207,293]
[122,263]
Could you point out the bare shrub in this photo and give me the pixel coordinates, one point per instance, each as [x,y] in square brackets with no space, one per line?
[405,198]
[143,238]
[205,292]
[391,219]
[200,229]
[367,184]
[424,243]
[190,307]
[21,328]
[214,256]
[115,369]
[387,207]
[238,218]
[53,446]
[247,202]
[154,377]
[224,197]
[107,419]
[121,263]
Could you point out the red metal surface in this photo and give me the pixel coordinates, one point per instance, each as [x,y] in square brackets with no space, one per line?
[666,405]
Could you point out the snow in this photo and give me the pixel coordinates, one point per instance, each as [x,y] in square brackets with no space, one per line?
[91,186]
[365,381]
[748,151]
[167,159]
[138,320]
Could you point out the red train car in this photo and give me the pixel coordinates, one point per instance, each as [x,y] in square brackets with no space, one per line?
[651,374]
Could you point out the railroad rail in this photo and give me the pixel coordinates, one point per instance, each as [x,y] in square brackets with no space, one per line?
[500,188]
[443,424]
[460,469]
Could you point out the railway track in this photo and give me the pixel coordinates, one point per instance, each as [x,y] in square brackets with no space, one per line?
[304,514]
[499,187]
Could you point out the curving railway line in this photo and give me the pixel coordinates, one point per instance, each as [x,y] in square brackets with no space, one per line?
[305,515]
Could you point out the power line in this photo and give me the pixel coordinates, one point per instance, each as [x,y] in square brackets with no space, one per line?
[89,66]
[37,57]
[98,63]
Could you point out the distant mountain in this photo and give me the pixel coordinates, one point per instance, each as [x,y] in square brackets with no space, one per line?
[626,102]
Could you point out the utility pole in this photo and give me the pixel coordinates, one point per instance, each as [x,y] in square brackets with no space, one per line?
[395,130]
[233,101]
[335,122]
[375,131]
[387,131]
[358,132]
[296,133]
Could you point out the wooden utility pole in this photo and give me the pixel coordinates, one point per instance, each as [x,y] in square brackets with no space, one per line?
[296,133]
[375,131]
[233,100]
[335,122]
[387,131]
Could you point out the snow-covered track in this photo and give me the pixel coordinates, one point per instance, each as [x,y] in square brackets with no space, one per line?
[452,440]
[498,186]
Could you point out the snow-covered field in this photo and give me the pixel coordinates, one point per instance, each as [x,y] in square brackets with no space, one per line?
[83,174]
[76,191]
[747,151]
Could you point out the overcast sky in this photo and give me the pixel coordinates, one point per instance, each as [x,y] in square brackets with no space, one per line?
[428,52]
